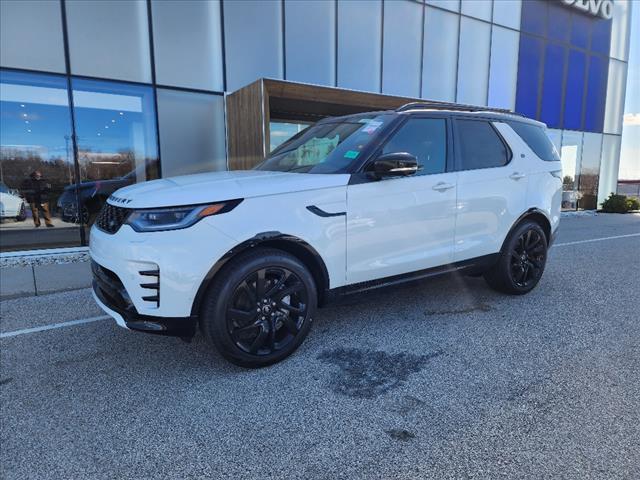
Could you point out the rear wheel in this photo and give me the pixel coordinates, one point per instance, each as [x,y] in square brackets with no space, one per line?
[259,308]
[521,262]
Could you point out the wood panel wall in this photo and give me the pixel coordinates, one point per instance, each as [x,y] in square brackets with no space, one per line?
[250,110]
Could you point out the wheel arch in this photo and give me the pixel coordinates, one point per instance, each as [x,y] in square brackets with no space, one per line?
[278,240]
[538,216]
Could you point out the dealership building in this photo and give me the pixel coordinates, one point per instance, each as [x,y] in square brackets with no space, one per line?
[96,95]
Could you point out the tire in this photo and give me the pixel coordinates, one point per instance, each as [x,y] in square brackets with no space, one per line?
[254,326]
[521,262]
[22,215]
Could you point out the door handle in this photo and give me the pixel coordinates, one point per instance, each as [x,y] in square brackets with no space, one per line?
[517,176]
[442,186]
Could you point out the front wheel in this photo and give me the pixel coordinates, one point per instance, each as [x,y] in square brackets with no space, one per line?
[22,214]
[521,262]
[259,308]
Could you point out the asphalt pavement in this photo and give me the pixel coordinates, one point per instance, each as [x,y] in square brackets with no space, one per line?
[440,379]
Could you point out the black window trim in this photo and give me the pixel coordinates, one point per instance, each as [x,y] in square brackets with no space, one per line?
[457,135]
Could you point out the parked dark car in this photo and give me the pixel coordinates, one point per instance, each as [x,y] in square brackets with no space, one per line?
[92,195]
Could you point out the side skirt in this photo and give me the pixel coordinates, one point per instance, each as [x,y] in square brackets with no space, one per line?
[471,266]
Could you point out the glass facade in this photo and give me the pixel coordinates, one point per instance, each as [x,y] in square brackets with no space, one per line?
[120,92]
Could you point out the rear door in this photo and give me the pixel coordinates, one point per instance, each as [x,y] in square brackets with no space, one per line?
[492,187]
[406,224]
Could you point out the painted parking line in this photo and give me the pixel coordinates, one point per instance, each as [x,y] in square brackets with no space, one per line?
[71,323]
[24,331]
[578,242]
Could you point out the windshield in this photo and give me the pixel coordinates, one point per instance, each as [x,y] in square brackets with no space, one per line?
[327,147]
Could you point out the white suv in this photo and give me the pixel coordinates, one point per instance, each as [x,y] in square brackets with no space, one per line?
[349,204]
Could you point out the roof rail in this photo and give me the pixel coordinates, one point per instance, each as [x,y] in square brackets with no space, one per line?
[452,106]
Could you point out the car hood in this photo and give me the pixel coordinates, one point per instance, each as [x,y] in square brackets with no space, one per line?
[218,186]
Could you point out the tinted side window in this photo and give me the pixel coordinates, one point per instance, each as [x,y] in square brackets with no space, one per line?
[537,139]
[479,145]
[426,139]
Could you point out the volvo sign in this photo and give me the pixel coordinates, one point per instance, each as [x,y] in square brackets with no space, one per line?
[597,8]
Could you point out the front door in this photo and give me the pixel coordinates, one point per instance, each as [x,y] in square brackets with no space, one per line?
[405,224]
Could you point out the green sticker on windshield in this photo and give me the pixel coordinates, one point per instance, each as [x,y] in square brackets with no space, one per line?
[351,154]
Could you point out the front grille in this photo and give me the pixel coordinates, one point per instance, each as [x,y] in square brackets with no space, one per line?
[111,218]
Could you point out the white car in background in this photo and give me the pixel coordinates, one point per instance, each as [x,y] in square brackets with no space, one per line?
[347,205]
[11,204]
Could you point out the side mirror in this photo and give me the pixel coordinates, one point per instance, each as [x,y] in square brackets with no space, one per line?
[400,164]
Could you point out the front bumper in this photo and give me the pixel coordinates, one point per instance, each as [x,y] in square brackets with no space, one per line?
[160,272]
[112,301]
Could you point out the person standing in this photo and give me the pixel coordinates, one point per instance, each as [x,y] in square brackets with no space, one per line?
[36,191]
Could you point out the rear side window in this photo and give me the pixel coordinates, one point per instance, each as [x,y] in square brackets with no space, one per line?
[537,140]
[479,145]
[426,139]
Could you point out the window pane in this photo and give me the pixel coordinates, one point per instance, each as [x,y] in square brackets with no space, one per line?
[188,43]
[426,138]
[115,124]
[601,36]
[453,5]
[559,20]
[109,39]
[556,138]
[473,61]
[596,94]
[280,132]
[551,108]
[580,30]
[503,73]
[589,171]
[310,41]
[615,97]
[534,17]
[507,13]
[537,140]
[529,65]
[574,90]
[440,55]
[35,136]
[359,44]
[609,168]
[480,146]
[192,134]
[620,29]
[31,35]
[402,37]
[253,41]
[571,153]
[478,8]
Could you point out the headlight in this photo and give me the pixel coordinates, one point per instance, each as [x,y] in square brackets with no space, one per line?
[175,218]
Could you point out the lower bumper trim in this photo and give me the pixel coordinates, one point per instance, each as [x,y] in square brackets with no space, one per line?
[184,327]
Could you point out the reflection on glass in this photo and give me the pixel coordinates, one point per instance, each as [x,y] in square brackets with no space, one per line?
[570,154]
[590,171]
[117,145]
[280,132]
[36,162]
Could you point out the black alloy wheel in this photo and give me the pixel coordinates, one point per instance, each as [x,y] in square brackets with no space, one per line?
[528,257]
[259,307]
[266,310]
[521,261]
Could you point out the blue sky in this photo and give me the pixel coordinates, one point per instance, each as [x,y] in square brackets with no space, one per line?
[630,150]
